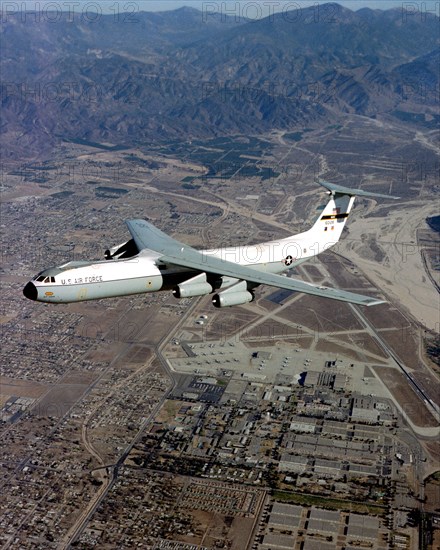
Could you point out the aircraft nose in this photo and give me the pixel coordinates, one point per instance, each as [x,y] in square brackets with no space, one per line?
[30,291]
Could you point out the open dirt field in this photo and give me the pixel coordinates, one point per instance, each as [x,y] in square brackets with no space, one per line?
[321,315]
[272,329]
[430,385]
[432,493]
[333,348]
[313,272]
[226,323]
[386,316]
[365,343]
[401,274]
[60,399]
[410,403]
[20,388]
[404,345]
[344,273]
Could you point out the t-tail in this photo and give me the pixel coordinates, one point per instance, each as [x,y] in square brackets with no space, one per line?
[327,229]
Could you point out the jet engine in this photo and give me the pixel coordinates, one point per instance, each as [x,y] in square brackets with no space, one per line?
[121,251]
[232,298]
[196,286]
[235,295]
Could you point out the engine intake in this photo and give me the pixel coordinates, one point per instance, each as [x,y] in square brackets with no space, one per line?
[235,295]
[185,290]
[121,251]
[232,299]
[196,286]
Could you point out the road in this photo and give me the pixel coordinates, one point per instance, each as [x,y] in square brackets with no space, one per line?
[429,432]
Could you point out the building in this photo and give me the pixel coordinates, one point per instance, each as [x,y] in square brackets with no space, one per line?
[294,463]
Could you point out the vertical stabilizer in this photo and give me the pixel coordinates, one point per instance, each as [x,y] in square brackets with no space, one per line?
[328,227]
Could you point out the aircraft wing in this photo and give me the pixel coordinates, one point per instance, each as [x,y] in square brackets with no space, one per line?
[172,251]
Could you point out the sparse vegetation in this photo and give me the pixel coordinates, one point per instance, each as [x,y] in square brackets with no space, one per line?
[329,503]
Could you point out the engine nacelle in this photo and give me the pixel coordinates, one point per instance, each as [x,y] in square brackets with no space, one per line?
[185,290]
[196,286]
[123,250]
[227,299]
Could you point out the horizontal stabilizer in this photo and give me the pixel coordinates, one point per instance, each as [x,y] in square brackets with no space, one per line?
[339,189]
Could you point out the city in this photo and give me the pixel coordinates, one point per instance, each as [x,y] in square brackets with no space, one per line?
[152,422]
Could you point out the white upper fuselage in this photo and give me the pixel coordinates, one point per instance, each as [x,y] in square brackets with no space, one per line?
[79,281]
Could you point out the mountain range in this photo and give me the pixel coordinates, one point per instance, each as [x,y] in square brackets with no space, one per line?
[182,74]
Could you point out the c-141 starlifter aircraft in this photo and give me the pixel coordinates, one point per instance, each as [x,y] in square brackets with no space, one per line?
[152,261]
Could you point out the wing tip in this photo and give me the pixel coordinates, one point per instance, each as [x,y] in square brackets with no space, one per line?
[373,302]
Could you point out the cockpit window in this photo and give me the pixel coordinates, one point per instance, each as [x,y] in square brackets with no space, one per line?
[44,279]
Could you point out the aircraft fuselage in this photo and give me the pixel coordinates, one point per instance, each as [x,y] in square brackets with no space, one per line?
[82,281]
[78,281]
[152,260]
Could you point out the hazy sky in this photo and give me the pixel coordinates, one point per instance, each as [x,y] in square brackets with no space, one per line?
[241,7]
[277,5]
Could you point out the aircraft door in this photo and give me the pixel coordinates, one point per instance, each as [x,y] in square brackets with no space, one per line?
[82,294]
